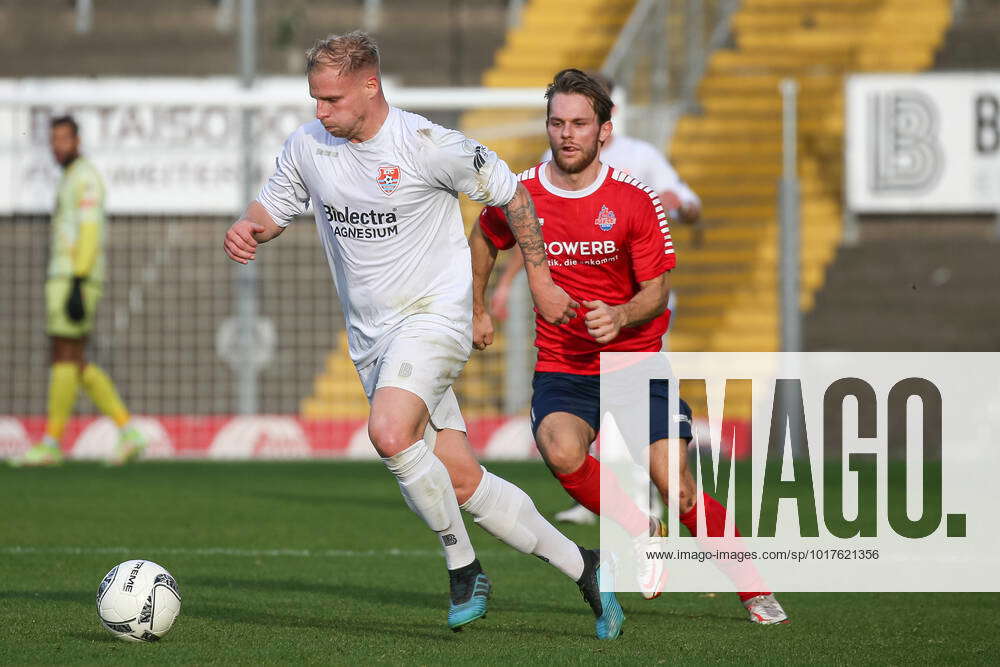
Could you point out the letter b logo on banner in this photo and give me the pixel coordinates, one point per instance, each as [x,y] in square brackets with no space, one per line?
[906,152]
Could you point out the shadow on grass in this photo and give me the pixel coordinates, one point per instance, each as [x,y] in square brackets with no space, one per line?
[349,592]
[60,596]
[375,594]
[352,625]
[95,636]
[337,500]
[432,605]
[668,613]
[433,629]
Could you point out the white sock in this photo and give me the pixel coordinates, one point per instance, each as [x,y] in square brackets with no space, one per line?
[507,513]
[427,490]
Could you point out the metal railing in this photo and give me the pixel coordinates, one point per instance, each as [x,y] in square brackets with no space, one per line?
[660,57]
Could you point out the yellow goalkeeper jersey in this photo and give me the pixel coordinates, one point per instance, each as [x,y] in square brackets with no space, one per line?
[78,224]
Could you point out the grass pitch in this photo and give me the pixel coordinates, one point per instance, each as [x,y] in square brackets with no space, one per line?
[322,562]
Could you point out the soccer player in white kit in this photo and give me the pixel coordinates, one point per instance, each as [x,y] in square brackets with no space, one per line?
[384,184]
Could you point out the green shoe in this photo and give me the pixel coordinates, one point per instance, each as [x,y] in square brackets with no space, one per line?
[42,454]
[131,445]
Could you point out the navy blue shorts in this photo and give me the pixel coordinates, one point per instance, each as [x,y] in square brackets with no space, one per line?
[580,395]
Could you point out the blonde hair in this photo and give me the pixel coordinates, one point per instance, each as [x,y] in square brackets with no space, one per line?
[346,53]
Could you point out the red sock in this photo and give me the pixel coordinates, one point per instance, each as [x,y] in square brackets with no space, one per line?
[715,525]
[584,484]
[715,517]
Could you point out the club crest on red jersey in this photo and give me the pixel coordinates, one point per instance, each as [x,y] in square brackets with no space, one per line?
[388,179]
[605,219]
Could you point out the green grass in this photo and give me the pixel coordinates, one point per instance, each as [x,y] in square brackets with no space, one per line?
[330,602]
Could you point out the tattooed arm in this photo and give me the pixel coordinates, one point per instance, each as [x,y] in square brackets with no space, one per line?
[523,222]
[553,303]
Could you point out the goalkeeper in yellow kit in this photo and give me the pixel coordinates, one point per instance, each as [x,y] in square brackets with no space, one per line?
[72,292]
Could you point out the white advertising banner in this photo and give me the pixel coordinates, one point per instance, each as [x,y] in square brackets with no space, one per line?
[923,143]
[173,145]
[163,145]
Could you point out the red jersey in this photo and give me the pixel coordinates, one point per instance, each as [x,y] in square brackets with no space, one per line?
[601,242]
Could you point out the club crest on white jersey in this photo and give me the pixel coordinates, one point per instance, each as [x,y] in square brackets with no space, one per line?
[388,179]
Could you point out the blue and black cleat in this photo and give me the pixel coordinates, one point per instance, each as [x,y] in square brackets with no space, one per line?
[598,575]
[470,593]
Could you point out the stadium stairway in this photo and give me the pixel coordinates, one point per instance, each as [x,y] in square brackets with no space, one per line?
[337,392]
[971,41]
[920,283]
[914,290]
[552,35]
[731,153]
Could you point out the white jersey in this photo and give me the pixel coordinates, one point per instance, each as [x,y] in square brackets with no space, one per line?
[640,159]
[388,216]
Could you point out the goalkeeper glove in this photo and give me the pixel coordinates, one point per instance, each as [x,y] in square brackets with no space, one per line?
[74,304]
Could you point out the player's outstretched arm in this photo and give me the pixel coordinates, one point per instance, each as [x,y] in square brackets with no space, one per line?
[604,322]
[255,227]
[484,256]
[552,301]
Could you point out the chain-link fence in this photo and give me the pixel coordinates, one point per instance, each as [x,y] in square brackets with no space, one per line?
[163,329]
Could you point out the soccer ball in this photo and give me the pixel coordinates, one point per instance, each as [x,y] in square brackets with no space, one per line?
[138,601]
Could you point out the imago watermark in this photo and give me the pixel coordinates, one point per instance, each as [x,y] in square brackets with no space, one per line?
[807,472]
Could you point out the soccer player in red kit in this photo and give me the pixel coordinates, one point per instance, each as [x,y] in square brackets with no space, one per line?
[608,242]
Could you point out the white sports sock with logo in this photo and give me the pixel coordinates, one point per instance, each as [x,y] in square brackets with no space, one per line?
[507,513]
[427,490]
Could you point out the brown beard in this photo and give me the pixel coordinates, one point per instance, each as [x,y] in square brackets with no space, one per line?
[586,158]
[68,159]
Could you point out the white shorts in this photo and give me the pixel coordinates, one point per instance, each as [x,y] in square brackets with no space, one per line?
[424,359]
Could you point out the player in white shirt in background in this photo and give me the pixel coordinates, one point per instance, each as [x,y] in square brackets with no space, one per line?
[643,161]
[384,184]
